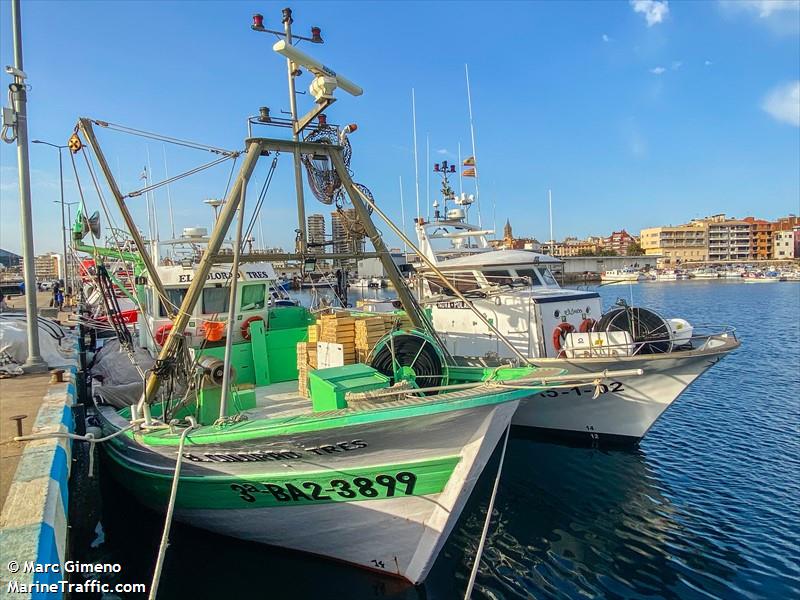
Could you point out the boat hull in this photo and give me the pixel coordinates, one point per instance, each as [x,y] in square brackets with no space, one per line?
[626,408]
[328,493]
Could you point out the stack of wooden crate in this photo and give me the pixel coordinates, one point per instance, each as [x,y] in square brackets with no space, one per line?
[313,338]
[302,368]
[369,330]
[340,328]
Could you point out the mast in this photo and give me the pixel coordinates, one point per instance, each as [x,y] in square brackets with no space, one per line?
[403,217]
[474,151]
[298,173]
[416,162]
[428,173]
[169,194]
[550,205]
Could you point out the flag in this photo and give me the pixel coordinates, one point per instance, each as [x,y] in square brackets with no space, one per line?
[468,172]
[469,161]
[143,174]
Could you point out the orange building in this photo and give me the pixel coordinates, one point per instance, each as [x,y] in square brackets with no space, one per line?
[760,238]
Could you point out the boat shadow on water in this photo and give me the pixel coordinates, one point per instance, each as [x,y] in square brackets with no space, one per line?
[569,521]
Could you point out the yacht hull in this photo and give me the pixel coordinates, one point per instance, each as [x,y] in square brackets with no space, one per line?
[627,407]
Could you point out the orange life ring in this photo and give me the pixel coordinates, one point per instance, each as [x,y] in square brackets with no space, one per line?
[246,325]
[586,325]
[162,333]
[561,330]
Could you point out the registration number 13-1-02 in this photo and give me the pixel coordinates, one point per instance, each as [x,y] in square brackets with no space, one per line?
[383,486]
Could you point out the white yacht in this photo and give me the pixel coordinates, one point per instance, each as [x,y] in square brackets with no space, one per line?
[555,327]
[624,275]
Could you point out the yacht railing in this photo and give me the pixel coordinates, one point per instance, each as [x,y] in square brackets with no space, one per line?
[697,341]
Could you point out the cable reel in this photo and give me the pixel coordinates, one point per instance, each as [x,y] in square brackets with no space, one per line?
[410,356]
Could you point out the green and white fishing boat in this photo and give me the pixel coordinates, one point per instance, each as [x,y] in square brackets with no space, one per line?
[373,465]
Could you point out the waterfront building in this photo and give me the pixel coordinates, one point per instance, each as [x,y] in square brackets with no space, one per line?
[676,244]
[618,242]
[760,238]
[729,240]
[786,244]
[343,241]
[316,233]
[47,266]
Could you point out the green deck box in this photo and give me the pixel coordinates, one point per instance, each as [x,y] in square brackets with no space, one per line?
[329,386]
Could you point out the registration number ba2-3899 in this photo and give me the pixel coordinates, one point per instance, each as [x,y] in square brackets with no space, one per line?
[351,488]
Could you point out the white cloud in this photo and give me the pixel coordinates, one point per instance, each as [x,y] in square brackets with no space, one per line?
[708,63]
[783,103]
[780,16]
[606,38]
[443,151]
[654,10]
[767,8]
[676,64]
[658,70]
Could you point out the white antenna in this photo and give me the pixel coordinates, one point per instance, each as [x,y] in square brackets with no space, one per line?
[460,176]
[428,173]
[403,217]
[169,194]
[550,204]
[152,195]
[416,162]
[474,151]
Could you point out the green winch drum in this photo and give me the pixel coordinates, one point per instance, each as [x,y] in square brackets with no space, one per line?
[411,356]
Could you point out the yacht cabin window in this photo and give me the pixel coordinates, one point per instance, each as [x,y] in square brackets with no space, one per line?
[254,296]
[174,297]
[529,275]
[547,276]
[463,281]
[215,300]
[498,277]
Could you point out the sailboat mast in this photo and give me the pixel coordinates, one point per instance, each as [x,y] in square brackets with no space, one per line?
[416,162]
[403,217]
[550,205]
[474,151]
[428,173]
[460,172]
[169,194]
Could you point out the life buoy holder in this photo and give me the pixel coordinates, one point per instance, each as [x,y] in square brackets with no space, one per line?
[246,325]
[586,325]
[162,333]
[559,334]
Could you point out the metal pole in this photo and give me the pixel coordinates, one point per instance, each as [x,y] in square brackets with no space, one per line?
[237,249]
[298,173]
[474,150]
[34,363]
[63,220]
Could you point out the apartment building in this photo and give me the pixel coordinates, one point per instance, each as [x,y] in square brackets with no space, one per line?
[316,233]
[676,244]
[618,242]
[760,238]
[47,267]
[786,244]
[729,240]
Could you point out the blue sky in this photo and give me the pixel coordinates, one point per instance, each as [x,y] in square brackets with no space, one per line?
[634,113]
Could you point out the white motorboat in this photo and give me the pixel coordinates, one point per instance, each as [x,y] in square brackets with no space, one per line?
[549,325]
[624,275]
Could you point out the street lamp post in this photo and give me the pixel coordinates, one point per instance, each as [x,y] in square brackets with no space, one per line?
[63,221]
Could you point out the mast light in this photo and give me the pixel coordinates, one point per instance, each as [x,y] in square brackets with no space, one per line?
[258,21]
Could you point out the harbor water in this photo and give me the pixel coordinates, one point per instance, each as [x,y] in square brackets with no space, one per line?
[707,507]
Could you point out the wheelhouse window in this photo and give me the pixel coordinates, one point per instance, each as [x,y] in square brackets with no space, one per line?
[174,297]
[530,276]
[498,277]
[464,281]
[215,300]
[254,296]
[547,276]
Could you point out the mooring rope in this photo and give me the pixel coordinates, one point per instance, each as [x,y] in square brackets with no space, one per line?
[474,573]
[162,549]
